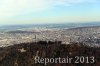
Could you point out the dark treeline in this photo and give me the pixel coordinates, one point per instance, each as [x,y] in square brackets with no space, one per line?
[23,54]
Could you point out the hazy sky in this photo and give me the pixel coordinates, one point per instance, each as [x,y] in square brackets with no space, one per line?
[48,11]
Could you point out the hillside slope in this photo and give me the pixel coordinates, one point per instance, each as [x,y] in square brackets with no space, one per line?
[23,54]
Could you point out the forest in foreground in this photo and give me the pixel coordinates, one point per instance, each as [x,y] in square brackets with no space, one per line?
[24,54]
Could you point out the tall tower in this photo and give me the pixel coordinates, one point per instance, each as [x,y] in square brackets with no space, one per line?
[35,38]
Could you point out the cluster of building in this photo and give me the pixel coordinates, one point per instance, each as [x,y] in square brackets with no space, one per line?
[86,35]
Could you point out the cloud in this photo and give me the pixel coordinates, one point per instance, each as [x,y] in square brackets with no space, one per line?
[15,7]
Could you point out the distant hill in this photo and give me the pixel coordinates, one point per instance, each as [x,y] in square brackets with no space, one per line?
[60,26]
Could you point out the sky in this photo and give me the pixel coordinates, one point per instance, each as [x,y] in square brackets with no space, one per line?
[49,11]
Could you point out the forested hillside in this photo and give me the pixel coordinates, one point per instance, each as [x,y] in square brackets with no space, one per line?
[23,54]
